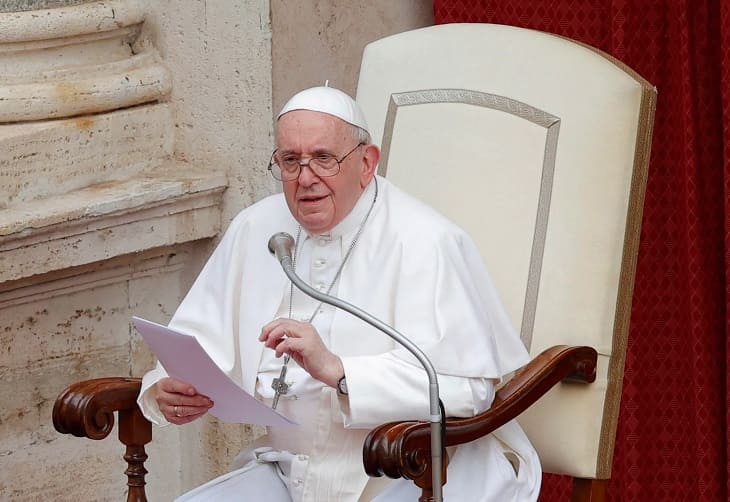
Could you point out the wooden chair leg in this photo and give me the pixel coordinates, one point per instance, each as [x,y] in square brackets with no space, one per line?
[135,432]
[589,490]
[426,495]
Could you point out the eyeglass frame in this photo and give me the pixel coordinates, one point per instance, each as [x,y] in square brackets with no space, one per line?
[307,163]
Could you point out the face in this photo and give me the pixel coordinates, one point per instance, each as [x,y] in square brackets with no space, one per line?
[318,204]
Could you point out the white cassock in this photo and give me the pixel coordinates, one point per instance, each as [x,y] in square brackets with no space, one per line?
[412,269]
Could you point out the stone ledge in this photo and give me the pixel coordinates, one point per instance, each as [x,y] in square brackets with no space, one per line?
[85,90]
[48,158]
[171,205]
[62,22]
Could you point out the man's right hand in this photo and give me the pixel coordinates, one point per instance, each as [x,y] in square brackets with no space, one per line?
[179,401]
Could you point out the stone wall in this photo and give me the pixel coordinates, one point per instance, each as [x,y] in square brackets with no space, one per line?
[318,40]
[121,124]
[119,165]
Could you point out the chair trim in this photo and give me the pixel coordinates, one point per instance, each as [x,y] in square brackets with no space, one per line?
[632,236]
[519,109]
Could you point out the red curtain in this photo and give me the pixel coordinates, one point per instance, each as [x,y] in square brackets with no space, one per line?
[672,438]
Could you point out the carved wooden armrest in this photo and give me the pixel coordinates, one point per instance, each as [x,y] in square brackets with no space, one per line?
[403,449]
[86,409]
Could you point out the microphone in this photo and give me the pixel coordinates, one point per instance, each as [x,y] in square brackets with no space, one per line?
[281,245]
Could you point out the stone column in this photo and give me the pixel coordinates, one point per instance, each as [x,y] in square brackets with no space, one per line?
[99,220]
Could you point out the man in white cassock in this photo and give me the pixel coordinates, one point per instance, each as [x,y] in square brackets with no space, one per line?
[359,238]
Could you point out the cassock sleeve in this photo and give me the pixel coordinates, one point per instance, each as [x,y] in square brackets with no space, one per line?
[207,312]
[385,388]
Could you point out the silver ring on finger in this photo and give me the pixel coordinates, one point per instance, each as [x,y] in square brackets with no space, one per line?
[176,410]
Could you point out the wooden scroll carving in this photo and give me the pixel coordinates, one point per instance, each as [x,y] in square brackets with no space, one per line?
[86,409]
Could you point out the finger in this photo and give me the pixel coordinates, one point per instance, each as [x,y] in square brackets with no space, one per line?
[198,401]
[178,398]
[282,348]
[267,329]
[165,394]
[175,386]
[182,411]
[292,346]
[289,325]
[166,401]
[276,336]
[187,418]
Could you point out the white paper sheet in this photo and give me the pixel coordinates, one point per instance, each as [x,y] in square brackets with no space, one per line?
[184,359]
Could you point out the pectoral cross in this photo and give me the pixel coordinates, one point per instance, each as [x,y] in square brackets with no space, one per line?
[279,384]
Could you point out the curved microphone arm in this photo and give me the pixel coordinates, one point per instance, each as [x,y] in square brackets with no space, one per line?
[281,245]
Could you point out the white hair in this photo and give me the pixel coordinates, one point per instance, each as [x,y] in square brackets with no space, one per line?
[360,135]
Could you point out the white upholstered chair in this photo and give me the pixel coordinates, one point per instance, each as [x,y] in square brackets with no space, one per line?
[538,146]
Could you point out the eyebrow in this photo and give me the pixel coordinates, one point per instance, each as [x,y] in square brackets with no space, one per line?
[316,151]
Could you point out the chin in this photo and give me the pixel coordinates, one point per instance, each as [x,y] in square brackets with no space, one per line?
[316,230]
[315,227]
[316,222]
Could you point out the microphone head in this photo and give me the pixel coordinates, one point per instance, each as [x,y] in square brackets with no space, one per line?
[281,245]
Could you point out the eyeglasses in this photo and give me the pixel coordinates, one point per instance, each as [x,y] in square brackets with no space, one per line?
[287,167]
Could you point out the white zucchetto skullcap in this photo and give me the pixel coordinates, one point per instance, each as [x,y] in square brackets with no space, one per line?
[327,100]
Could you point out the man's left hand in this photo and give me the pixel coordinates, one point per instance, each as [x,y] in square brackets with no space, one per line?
[303,344]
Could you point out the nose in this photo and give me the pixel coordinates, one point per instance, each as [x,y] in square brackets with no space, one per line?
[307,177]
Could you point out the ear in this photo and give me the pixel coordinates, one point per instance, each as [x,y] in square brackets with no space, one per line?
[370,163]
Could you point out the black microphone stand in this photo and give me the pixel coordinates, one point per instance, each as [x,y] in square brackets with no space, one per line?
[281,245]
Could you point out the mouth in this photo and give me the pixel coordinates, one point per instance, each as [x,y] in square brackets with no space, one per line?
[312,199]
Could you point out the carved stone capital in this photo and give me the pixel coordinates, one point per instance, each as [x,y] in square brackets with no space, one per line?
[76,60]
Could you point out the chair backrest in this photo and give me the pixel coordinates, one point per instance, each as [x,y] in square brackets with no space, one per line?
[538,147]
